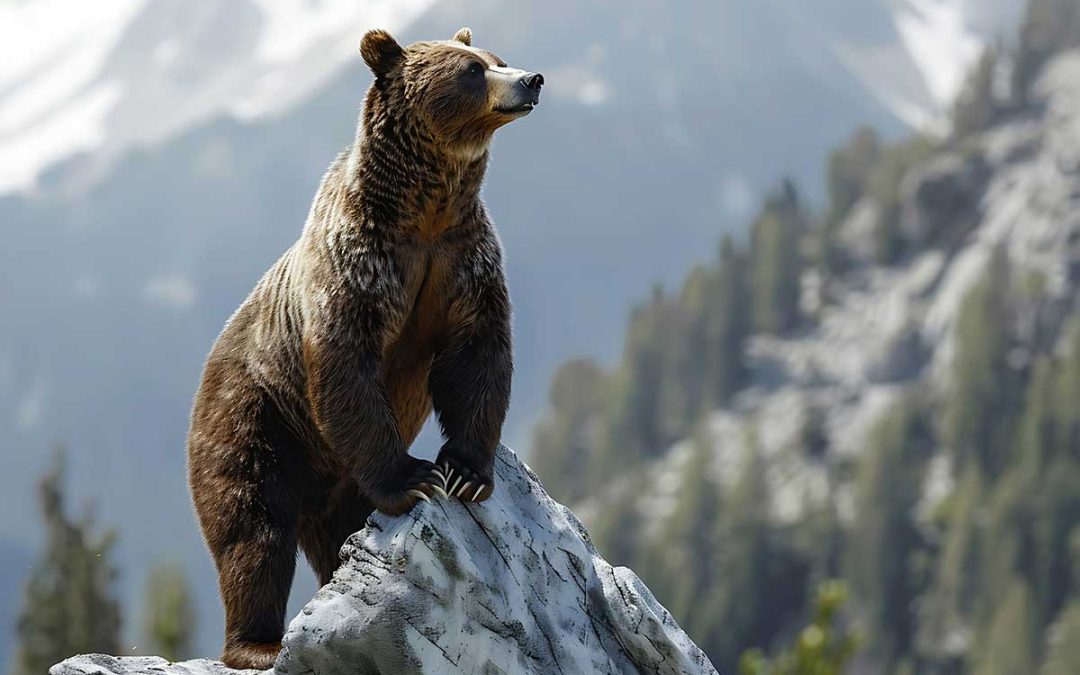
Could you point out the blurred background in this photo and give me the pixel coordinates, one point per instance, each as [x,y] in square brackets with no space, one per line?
[795,289]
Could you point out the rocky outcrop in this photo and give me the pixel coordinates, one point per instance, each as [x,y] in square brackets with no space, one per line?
[103,664]
[512,585]
[941,199]
[884,329]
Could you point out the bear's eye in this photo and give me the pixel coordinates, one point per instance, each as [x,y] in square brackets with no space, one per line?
[476,68]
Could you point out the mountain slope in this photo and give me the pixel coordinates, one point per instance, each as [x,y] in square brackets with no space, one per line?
[914,431]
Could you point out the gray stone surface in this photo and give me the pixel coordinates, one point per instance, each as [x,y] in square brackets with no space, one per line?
[102,664]
[512,585]
[508,586]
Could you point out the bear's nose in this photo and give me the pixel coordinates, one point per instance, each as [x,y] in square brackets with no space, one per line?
[533,81]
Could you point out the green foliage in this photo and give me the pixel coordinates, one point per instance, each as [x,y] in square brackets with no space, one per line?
[169,615]
[976,108]
[1063,645]
[884,537]
[682,356]
[981,405]
[956,584]
[884,187]
[776,266]
[634,429]
[682,384]
[69,606]
[564,441]
[616,529]
[726,325]
[1009,648]
[849,170]
[822,648]
[867,168]
[689,540]
[762,575]
[1049,27]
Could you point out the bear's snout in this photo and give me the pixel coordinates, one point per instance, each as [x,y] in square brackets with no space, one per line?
[533,82]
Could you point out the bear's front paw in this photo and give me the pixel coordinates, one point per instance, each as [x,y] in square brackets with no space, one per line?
[459,479]
[421,480]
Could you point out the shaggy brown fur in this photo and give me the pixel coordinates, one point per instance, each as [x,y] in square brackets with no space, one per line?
[392,302]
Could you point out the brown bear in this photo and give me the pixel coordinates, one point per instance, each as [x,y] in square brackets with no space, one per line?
[392,302]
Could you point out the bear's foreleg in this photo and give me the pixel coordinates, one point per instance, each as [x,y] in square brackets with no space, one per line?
[470,390]
[352,412]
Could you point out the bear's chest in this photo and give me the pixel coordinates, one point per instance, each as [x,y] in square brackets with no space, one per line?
[433,223]
[425,281]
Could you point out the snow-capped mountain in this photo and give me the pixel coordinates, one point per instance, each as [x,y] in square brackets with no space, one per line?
[104,78]
[157,156]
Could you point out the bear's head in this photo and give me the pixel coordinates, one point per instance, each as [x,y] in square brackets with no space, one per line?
[458,93]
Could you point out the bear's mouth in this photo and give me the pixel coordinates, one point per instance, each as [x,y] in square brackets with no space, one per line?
[523,109]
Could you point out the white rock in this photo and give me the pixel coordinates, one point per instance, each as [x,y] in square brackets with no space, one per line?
[102,664]
[512,585]
[508,586]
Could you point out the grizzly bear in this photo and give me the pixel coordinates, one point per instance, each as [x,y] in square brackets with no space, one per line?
[392,302]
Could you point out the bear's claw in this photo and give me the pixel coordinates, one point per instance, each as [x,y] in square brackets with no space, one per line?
[458,483]
[419,494]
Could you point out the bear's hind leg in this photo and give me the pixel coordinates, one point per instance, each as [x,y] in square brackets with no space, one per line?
[323,534]
[250,524]
[255,578]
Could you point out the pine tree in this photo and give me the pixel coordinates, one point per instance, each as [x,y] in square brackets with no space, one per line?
[633,431]
[565,441]
[726,327]
[683,384]
[69,607]
[975,107]
[616,529]
[776,264]
[884,537]
[1009,647]
[1055,517]
[688,542]
[1049,26]
[849,169]
[762,579]
[884,187]
[982,401]
[169,615]
[1067,388]
[1063,644]
[957,577]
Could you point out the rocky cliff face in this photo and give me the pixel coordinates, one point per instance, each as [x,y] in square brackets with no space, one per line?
[512,585]
[882,329]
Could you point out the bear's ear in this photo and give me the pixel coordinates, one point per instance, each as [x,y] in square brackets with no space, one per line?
[380,51]
[464,36]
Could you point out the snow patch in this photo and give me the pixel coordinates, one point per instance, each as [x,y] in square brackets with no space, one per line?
[73,81]
[939,41]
